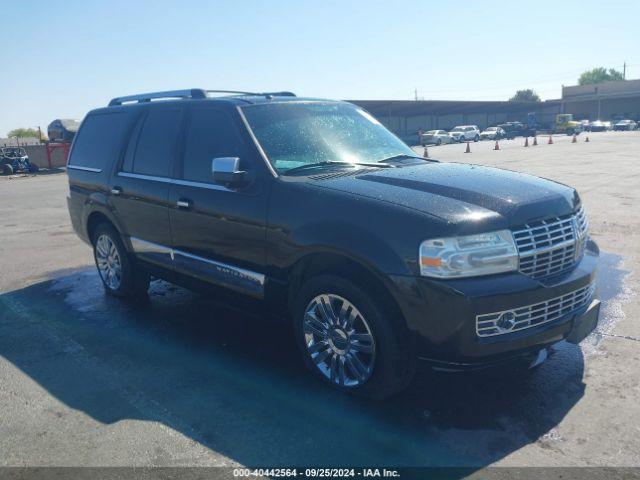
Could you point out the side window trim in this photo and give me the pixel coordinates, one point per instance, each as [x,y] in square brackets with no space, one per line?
[175,181]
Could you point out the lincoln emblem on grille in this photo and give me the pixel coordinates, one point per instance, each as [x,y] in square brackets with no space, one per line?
[506,321]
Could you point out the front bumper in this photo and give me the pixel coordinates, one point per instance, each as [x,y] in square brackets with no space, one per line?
[442,313]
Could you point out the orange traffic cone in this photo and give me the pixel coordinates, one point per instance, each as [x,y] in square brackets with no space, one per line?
[426,152]
[550,142]
[586,140]
[535,140]
[526,142]
[497,147]
[468,150]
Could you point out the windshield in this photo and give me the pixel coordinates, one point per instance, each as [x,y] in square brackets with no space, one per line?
[491,129]
[294,134]
[458,129]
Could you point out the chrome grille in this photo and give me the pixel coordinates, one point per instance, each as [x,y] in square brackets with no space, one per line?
[551,246]
[522,318]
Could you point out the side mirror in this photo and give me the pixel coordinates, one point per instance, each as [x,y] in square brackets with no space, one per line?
[226,171]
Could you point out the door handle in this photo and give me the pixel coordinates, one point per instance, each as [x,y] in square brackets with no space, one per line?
[116,190]
[184,203]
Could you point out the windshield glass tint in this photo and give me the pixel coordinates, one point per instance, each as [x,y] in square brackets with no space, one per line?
[294,134]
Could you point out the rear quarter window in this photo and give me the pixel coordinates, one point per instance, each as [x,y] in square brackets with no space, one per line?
[99,141]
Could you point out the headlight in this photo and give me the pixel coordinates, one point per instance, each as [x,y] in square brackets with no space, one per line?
[469,256]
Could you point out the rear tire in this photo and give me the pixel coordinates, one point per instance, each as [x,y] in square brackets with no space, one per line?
[358,325]
[120,275]
[33,168]
[7,169]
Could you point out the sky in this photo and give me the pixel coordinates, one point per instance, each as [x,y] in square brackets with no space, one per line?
[61,59]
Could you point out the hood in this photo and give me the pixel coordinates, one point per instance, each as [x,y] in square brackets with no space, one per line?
[472,197]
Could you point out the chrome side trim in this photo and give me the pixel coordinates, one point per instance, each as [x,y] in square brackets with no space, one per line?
[229,276]
[142,246]
[175,181]
[236,278]
[209,186]
[144,177]
[85,169]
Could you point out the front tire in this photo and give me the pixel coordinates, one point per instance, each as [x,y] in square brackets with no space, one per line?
[7,169]
[350,339]
[476,138]
[118,271]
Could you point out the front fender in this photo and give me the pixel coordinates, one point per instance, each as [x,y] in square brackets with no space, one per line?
[352,241]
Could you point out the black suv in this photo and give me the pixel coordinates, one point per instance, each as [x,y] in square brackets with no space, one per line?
[517,129]
[312,208]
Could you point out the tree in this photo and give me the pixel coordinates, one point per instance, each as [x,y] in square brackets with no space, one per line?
[527,95]
[599,75]
[23,133]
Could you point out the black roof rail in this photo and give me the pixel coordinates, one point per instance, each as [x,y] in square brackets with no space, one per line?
[147,97]
[190,93]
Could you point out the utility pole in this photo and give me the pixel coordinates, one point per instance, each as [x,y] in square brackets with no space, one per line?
[415,94]
[624,71]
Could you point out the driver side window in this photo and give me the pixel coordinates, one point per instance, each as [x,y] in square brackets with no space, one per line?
[210,133]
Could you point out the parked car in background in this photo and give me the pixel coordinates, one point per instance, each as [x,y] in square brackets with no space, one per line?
[493,133]
[624,125]
[435,137]
[15,160]
[599,126]
[586,125]
[62,130]
[465,133]
[608,125]
[271,198]
[516,129]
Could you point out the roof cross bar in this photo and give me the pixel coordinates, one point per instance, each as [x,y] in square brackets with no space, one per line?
[147,97]
[262,94]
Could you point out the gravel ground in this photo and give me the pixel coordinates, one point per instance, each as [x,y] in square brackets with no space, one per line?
[183,380]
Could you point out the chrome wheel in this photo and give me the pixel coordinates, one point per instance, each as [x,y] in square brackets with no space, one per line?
[339,340]
[108,261]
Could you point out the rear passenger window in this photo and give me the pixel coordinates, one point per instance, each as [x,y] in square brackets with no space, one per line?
[156,144]
[210,134]
[99,141]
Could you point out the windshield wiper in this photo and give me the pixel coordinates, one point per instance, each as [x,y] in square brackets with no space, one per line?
[403,155]
[333,162]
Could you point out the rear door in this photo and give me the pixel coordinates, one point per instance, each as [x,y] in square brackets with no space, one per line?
[218,232]
[140,189]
